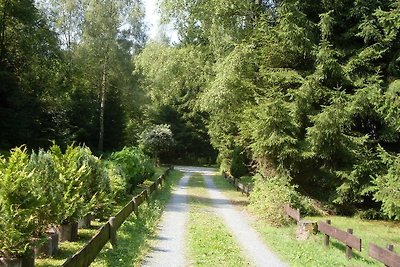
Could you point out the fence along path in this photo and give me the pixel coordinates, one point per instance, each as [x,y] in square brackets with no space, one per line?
[107,232]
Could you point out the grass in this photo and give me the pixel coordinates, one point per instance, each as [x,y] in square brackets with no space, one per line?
[66,249]
[140,228]
[312,252]
[210,243]
[134,236]
[247,180]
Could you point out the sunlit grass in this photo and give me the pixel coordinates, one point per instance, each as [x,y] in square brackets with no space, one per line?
[210,242]
[312,251]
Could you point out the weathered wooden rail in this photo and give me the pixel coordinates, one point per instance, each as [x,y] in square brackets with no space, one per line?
[292,213]
[108,231]
[351,241]
[384,255]
[245,189]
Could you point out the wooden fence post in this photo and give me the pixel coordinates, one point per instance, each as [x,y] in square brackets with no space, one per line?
[349,252]
[390,248]
[135,207]
[113,232]
[326,239]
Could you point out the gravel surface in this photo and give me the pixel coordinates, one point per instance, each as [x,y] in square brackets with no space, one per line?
[238,222]
[169,249]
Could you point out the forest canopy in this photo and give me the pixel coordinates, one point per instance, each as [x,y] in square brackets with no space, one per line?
[303,91]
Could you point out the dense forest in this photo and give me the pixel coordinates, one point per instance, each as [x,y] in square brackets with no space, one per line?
[304,93]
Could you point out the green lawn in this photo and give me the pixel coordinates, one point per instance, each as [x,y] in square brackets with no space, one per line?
[210,242]
[133,234]
[312,252]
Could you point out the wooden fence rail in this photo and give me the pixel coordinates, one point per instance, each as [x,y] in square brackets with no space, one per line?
[351,241]
[384,255]
[293,213]
[107,232]
[245,189]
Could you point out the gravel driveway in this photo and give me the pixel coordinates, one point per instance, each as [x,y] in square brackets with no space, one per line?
[170,248]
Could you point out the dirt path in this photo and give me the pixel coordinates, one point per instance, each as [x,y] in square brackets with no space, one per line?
[170,248]
[239,223]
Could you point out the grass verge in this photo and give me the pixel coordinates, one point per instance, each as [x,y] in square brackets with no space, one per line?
[134,236]
[312,252]
[210,242]
[133,230]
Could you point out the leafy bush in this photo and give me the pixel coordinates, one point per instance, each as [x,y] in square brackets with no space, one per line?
[134,165]
[47,188]
[20,204]
[46,179]
[118,183]
[96,182]
[269,197]
[84,181]
[156,140]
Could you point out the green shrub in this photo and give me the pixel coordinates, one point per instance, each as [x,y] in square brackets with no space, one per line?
[156,140]
[269,197]
[46,179]
[134,165]
[84,182]
[47,188]
[387,185]
[118,182]
[20,204]
[96,182]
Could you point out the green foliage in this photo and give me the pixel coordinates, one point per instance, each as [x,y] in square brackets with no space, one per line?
[271,132]
[269,197]
[133,165]
[47,188]
[118,182]
[387,185]
[20,204]
[84,182]
[156,140]
[47,182]
[238,166]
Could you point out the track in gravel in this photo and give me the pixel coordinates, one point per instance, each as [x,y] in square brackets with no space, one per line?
[170,248]
[240,226]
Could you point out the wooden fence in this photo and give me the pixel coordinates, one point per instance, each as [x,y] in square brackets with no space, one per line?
[351,241]
[245,189]
[384,255]
[293,213]
[107,232]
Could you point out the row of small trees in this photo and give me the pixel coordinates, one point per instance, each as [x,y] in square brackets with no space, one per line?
[48,188]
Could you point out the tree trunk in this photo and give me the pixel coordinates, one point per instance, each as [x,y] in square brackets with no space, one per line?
[3,25]
[102,104]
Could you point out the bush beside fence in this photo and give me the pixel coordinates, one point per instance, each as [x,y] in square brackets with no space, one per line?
[107,232]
